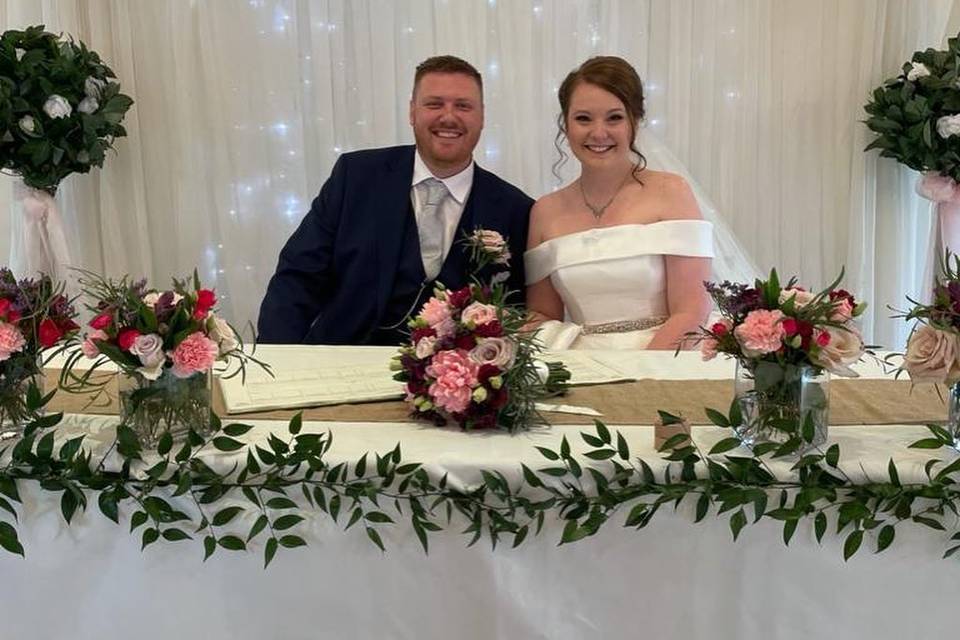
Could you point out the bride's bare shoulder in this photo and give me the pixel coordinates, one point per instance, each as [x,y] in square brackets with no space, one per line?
[673,193]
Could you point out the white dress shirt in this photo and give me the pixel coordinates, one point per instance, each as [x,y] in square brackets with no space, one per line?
[452,207]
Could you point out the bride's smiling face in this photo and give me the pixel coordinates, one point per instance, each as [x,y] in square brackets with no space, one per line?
[598,127]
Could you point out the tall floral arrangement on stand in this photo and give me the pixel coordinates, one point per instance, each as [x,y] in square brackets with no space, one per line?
[165,344]
[467,360]
[916,118]
[786,340]
[35,316]
[60,111]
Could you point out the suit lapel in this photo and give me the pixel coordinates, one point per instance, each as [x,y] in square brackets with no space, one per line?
[393,207]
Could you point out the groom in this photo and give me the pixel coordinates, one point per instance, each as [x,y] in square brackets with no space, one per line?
[388,222]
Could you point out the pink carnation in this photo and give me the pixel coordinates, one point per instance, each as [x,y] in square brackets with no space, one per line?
[11,340]
[761,332]
[455,376]
[436,312]
[196,353]
[90,348]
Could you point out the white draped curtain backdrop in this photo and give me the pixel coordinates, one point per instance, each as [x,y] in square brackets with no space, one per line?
[242,107]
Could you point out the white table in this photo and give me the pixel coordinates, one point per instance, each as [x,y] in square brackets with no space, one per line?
[674,579]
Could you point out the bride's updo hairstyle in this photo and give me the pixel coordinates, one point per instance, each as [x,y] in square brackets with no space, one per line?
[614,75]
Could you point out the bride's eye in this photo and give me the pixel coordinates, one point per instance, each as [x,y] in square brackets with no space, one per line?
[582,118]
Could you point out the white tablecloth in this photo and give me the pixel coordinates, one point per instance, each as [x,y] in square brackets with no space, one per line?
[674,579]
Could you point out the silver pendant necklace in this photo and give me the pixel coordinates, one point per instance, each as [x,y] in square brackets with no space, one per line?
[599,211]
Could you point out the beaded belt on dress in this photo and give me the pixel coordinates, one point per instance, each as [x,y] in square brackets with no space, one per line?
[623,326]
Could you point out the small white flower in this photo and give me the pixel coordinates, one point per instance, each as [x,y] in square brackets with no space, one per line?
[28,124]
[948,126]
[57,107]
[917,70]
[20,53]
[88,105]
[93,87]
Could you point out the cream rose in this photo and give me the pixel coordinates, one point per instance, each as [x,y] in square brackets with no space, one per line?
[932,355]
[88,105]
[220,331]
[479,313]
[800,297]
[93,87]
[948,126]
[28,124]
[57,107]
[917,70]
[844,348]
[500,352]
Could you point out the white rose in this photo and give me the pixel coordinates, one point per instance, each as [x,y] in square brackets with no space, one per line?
[93,87]
[28,124]
[800,297]
[219,331]
[917,70]
[57,107]
[500,352]
[88,105]
[151,299]
[948,126]
[844,349]
[149,348]
[426,347]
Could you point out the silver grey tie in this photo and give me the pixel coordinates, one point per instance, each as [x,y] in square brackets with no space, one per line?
[430,225]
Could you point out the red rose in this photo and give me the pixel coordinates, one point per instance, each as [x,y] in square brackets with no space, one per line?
[491,329]
[68,325]
[498,398]
[49,333]
[102,321]
[13,316]
[465,342]
[419,334]
[126,338]
[719,329]
[458,298]
[4,307]
[823,338]
[487,371]
[205,301]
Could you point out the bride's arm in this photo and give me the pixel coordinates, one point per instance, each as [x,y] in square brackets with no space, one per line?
[543,301]
[687,300]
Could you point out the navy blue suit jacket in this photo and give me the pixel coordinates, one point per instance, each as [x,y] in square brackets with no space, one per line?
[336,272]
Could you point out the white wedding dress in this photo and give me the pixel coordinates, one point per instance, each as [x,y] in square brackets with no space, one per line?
[613,281]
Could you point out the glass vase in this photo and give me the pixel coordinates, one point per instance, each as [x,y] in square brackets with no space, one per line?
[779,402]
[16,377]
[953,414]
[167,404]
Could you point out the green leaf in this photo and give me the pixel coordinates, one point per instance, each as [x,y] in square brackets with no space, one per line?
[9,540]
[833,455]
[622,449]
[291,542]
[68,505]
[725,445]
[852,543]
[150,535]
[257,527]
[593,441]
[236,429]
[139,518]
[927,443]
[296,423]
[108,505]
[885,537]
[530,477]
[175,535]
[286,521]
[892,471]
[600,454]
[929,522]
[789,528]
[375,537]
[223,443]
[165,443]
[548,454]
[737,521]
[232,543]
[209,546]
[564,448]
[281,502]
[269,551]
[361,467]
[378,517]
[717,418]
[820,525]
[602,432]
[225,515]
[45,446]
[703,505]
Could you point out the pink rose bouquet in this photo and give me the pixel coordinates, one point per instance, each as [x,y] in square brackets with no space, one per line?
[933,348]
[467,361]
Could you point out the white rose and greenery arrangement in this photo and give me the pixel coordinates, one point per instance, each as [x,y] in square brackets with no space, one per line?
[60,107]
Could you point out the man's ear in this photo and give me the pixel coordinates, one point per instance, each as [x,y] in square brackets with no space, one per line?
[411,111]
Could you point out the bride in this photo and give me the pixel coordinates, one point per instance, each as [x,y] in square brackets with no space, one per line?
[622,251]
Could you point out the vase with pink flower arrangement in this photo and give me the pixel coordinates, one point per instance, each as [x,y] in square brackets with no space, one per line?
[933,348]
[35,316]
[165,345]
[787,341]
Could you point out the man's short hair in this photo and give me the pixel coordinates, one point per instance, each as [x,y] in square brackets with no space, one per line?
[446,64]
